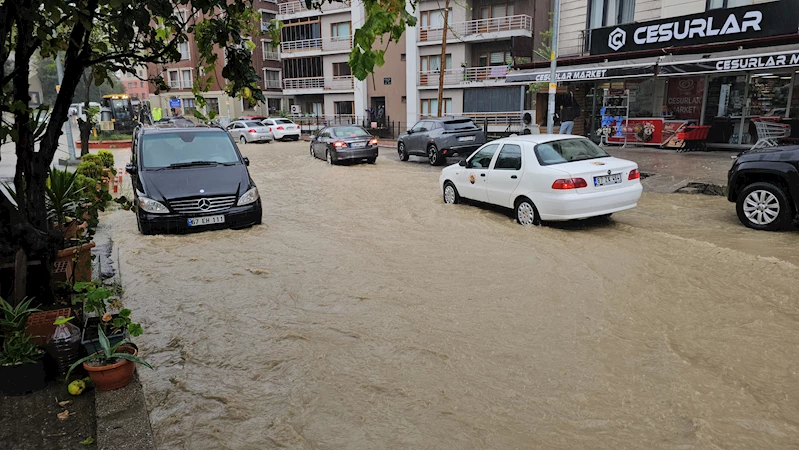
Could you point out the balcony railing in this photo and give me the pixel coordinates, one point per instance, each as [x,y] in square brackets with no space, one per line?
[473,27]
[271,56]
[327,83]
[325,44]
[272,84]
[293,7]
[464,75]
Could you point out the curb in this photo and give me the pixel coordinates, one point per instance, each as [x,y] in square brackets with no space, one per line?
[122,419]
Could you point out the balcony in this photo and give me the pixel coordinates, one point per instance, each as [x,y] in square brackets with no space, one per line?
[465,77]
[334,44]
[320,84]
[298,7]
[271,56]
[481,30]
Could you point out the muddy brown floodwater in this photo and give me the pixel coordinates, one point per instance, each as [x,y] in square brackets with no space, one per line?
[366,314]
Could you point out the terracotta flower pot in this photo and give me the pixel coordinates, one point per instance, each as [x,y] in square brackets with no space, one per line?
[115,376]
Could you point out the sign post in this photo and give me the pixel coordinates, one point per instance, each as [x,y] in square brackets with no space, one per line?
[70,141]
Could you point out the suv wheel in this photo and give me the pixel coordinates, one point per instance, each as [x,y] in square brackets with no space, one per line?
[435,158]
[402,152]
[764,206]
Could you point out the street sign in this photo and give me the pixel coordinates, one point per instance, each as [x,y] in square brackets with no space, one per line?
[174,103]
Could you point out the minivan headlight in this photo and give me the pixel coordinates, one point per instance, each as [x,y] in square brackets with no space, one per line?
[249,197]
[151,206]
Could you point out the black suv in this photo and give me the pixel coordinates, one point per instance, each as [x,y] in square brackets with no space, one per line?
[190,179]
[441,137]
[764,184]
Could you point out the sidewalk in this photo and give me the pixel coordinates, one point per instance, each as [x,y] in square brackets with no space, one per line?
[665,171]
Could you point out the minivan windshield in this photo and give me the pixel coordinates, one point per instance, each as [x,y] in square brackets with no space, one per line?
[567,150]
[164,150]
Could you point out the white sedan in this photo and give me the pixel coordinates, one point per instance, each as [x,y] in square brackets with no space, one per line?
[283,128]
[544,177]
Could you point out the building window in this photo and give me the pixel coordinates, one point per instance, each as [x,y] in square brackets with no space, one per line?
[269,53]
[183,15]
[402,57]
[265,19]
[186,78]
[212,104]
[716,4]
[184,50]
[173,79]
[494,59]
[341,69]
[429,107]
[300,29]
[433,63]
[141,84]
[494,11]
[340,31]
[188,106]
[604,13]
[433,19]
[404,99]
[344,108]
[271,79]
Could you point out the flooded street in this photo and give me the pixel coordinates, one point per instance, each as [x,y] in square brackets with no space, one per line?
[367,314]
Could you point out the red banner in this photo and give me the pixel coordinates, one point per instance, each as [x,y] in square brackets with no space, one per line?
[648,131]
[684,98]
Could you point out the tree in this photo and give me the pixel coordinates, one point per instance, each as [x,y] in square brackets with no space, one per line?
[86,88]
[134,32]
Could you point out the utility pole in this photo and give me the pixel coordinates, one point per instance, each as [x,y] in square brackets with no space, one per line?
[553,63]
[443,64]
[70,141]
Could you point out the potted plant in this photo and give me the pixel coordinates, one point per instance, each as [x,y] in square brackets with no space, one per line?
[62,196]
[102,311]
[112,367]
[21,365]
[13,318]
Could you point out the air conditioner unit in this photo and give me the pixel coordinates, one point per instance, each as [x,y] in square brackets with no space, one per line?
[295,109]
[529,125]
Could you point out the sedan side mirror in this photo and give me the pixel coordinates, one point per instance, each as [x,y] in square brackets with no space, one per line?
[130,168]
[246,160]
[410,131]
[462,163]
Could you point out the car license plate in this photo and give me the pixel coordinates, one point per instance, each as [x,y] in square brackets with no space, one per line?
[209,220]
[465,138]
[358,144]
[605,180]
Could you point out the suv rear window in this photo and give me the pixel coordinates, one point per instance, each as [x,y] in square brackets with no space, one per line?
[463,124]
[162,149]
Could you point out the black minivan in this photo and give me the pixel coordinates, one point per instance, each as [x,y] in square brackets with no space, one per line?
[190,179]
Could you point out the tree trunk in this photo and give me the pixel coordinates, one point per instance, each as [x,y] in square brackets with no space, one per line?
[443,64]
[86,126]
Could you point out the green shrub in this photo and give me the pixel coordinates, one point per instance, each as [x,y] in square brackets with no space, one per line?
[90,169]
[107,158]
[91,157]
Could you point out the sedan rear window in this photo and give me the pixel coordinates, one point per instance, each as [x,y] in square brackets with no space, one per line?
[252,124]
[164,149]
[343,132]
[463,124]
[284,121]
[567,150]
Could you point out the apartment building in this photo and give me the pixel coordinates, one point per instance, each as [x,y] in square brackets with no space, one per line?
[485,39]
[133,84]
[658,66]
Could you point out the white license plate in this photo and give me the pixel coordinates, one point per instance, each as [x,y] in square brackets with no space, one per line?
[465,138]
[358,144]
[605,180]
[209,220]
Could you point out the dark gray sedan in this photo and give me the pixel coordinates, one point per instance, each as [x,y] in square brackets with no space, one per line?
[344,143]
[439,138]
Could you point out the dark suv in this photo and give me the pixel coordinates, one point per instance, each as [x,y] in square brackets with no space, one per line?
[190,179]
[438,138]
[764,184]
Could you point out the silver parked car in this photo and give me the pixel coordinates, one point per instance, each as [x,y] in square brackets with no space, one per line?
[247,131]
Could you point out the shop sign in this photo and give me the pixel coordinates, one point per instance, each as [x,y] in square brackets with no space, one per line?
[736,64]
[648,131]
[717,25]
[174,103]
[684,97]
[592,74]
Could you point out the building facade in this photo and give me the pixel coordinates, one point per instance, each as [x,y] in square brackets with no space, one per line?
[657,66]
[134,85]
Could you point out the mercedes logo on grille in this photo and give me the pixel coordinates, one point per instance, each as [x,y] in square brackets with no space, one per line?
[204,204]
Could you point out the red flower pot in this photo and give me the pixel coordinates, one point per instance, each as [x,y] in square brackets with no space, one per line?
[114,376]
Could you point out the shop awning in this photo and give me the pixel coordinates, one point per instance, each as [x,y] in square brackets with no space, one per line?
[598,71]
[739,61]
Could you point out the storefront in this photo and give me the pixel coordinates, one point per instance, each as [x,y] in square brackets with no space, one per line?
[725,90]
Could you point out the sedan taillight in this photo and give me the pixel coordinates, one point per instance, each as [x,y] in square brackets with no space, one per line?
[634,175]
[569,183]
[251,130]
[339,144]
[280,128]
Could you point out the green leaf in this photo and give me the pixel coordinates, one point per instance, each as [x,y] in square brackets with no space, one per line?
[135,329]
[104,343]
[81,361]
[130,357]
[124,313]
[62,320]
[88,441]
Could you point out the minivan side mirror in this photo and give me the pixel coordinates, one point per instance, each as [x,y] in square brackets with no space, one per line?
[246,160]
[130,168]
[462,163]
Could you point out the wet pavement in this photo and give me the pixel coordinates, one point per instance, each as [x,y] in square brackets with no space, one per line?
[367,314]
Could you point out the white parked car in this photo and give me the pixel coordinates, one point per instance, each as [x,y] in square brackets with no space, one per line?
[283,128]
[545,177]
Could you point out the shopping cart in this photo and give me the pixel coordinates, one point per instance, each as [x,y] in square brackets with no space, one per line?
[693,137]
[769,133]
